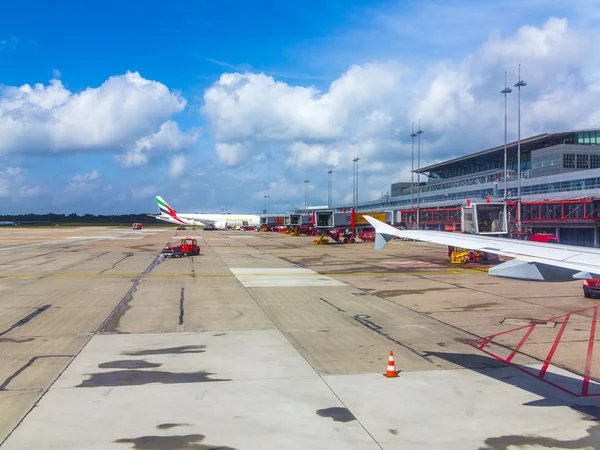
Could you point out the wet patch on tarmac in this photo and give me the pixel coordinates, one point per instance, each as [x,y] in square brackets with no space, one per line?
[338,414]
[506,442]
[128,364]
[188,441]
[220,334]
[168,351]
[167,426]
[113,322]
[16,341]
[140,377]
[398,292]
[393,431]
[441,344]
[474,306]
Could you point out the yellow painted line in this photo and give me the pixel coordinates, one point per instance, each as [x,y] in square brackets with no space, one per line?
[209,275]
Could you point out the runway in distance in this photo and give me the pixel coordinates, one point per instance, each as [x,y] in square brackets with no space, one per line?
[220,221]
[534,261]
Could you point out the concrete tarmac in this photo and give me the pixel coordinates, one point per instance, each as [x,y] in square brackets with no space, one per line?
[268,341]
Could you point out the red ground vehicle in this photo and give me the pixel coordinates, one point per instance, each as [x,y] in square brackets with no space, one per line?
[187,247]
[366,235]
[591,288]
[136,226]
[549,238]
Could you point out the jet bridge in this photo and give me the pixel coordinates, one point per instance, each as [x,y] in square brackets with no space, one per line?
[298,220]
[484,218]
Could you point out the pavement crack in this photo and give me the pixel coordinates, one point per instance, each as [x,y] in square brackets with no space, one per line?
[25,366]
[331,304]
[181,307]
[127,255]
[363,320]
[112,322]
[26,319]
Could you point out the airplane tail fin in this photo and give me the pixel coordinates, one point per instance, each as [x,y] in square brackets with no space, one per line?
[166,209]
[383,232]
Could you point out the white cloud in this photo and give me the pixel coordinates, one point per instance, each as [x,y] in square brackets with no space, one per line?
[169,138]
[29,191]
[231,154]
[294,129]
[134,158]
[87,177]
[15,183]
[256,108]
[304,155]
[177,166]
[126,113]
[84,182]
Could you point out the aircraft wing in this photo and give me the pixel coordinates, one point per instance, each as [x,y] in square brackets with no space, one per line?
[536,261]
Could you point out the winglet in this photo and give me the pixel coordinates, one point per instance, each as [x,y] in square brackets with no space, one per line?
[384,233]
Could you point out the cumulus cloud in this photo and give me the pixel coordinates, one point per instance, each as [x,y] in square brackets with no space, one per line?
[371,107]
[15,183]
[177,166]
[84,181]
[127,113]
[249,109]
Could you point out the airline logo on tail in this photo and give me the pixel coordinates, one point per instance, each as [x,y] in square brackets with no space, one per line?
[166,209]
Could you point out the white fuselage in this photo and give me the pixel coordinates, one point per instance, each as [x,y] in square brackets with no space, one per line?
[230,220]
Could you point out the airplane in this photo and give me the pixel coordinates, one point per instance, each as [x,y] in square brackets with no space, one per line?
[219,221]
[8,224]
[533,261]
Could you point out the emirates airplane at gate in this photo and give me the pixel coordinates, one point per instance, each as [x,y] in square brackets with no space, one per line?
[220,221]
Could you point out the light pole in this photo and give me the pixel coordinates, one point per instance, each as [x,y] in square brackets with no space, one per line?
[355,160]
[412,167]
[329,172]
[306,194]
[518,85]
[267,197]
[505,91]
[419,133]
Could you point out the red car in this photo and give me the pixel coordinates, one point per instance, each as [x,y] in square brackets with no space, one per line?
[591,288]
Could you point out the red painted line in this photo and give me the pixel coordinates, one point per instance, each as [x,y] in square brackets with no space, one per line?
[487,338]
[588,362]
[571,313]
[553,349]
[484,343]
[503,332]
[518,347]
[522,369]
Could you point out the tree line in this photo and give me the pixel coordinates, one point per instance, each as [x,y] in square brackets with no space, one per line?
[75,218]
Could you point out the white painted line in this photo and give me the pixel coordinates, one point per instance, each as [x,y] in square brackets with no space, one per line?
[282,277]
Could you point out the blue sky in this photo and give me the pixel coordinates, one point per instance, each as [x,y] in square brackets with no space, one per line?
[212,104]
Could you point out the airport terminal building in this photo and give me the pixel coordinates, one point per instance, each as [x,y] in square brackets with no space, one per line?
[560,187]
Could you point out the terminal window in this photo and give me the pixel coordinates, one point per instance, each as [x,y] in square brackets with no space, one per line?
[594,161]
[568,161]
[582,161]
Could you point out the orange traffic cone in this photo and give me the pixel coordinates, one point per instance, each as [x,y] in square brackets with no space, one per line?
[391,369]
